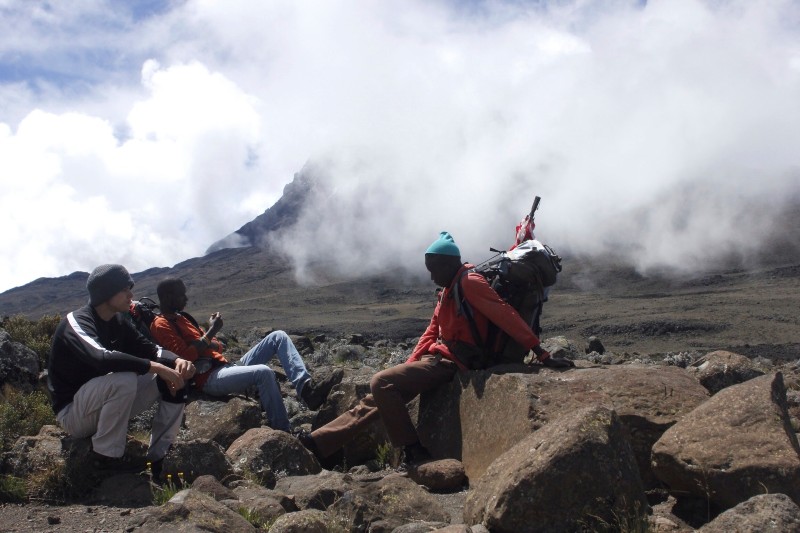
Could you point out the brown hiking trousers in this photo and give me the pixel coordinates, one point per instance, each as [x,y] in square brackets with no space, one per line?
[391,390]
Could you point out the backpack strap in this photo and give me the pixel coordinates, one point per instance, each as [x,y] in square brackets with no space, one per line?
[464,308]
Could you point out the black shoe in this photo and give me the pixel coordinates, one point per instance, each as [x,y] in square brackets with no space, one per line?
[315,393]
[415,454]
[118,465]
[307,441]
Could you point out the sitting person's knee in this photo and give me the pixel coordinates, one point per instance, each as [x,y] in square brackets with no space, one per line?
[278,335]
[378,382]
[122,382]
[263,372]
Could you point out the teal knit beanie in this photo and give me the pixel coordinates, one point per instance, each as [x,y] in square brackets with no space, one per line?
[444,245]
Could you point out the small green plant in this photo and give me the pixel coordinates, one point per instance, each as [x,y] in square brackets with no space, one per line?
[164,493]
[255,518]
[22,414]
[12,489]
[387,455]
[36,335]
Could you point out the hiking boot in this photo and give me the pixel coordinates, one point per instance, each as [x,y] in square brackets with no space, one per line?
[307,441]
[415,454]
[315,393]
[120,465]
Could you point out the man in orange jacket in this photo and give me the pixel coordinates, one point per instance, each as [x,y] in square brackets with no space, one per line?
[217,377]
[447,346]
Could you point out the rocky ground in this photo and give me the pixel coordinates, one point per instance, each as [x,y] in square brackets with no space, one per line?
[752,313]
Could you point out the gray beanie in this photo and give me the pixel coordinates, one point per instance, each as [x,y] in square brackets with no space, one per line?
[105,281]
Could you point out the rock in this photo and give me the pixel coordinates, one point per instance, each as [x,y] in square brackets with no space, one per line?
[736,445]
[267,503]
[263,504]
[455,528]
[308,521]
[766,512]
[303,344]
[453,420]
[357,339]
[191,510]
[576,472]
[19,365]
[722,369]
[268,452]
[560,347]
[394,501]
[199,457]
[350,352]
[221,420]
[53,459]
[316,492]
[593,344]
[211,486]
[420,527]
[123,490]
[445,475]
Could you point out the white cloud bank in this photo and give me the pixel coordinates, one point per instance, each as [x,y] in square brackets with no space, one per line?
[657,126]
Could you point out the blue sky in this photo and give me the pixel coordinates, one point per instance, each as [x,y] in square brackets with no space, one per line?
[141,132]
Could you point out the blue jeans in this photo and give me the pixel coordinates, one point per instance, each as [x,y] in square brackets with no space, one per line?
[252,369]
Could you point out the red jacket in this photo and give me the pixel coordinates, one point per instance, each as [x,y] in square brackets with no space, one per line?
[447,327]
[176,333]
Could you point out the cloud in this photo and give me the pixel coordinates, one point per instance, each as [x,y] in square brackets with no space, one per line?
[657,129]
[79,194]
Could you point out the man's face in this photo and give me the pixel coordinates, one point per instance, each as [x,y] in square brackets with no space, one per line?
[179,298]
[441,269]
[121,301]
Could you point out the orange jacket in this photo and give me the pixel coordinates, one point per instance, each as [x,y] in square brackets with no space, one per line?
[448,327]
[176,333]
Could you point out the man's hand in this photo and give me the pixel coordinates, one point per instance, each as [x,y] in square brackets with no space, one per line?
[214,324]
[171,377]
[185,368]
[552,362]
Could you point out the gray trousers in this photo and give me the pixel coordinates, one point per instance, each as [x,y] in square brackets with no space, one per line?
[103,406]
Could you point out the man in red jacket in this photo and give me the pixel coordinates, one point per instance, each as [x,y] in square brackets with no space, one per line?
[447,346]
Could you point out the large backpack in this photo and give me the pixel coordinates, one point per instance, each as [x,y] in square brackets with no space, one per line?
[142,312]
[521,277]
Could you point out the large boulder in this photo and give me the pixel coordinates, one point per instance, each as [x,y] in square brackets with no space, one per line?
[575,472]
[736,445]
[19,365]
[767,512]
[190,510]
[319,491]
[198,457]
[393,501]
[52,461]
[722,369]
[265,452]
[221,420]
[481,415]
